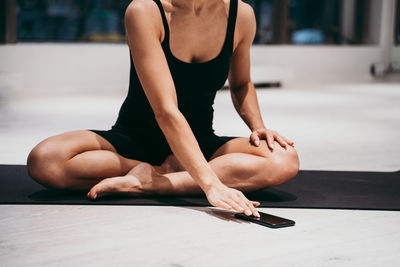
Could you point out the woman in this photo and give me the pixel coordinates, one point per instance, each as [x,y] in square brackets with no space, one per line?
[182,52]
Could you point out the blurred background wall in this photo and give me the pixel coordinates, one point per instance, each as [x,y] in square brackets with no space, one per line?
[67,46]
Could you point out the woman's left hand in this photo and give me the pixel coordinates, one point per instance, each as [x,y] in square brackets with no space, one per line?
[269,136]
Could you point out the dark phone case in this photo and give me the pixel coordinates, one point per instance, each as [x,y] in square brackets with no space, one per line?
[267,220]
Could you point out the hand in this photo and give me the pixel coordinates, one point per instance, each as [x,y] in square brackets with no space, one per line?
[270,136]
[229,198]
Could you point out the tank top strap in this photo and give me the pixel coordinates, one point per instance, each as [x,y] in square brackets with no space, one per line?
[164,19]
[231,24]
[233,6]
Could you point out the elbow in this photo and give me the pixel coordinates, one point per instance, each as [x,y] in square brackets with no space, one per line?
[240,86]
[167,115]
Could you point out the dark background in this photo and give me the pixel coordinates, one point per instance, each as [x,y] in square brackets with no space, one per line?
[278,21]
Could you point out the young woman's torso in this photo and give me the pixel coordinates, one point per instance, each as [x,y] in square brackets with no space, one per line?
[198,48]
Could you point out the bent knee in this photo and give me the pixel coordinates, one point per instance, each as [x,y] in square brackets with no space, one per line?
[287,166]
[44,166]
[293,162]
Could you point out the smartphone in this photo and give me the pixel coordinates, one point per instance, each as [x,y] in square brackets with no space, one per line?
[266,220]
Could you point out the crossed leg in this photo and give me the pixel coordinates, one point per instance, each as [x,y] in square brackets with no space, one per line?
[76,160]
[82,160]
[237,163]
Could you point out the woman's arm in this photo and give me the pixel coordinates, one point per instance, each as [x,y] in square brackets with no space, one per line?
[142,22]
[243,92]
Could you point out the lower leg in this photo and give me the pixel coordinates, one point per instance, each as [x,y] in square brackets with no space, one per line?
[241,171]
[88,168]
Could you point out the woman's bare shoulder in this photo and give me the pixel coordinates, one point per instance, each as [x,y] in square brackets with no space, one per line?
[141,7]
[143,15]
[245,21]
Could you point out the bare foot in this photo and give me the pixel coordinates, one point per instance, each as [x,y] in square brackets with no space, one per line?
[142,179]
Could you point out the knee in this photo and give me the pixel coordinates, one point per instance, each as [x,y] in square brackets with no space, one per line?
[44,166]
[286,165]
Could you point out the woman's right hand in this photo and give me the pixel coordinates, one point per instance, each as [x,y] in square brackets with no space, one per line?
[229,198]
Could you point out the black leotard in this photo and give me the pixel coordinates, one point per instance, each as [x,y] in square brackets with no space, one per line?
[136,133]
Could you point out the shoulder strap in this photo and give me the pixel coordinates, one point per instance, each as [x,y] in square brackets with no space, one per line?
[164,19]
[233,6]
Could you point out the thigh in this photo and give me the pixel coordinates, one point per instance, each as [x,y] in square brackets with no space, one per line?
[69,144]
[51,154]
[61,161]
[243,145]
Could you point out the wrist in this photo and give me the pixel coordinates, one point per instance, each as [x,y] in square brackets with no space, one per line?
[213,183]
[205,177]
[209,182]
[258,127]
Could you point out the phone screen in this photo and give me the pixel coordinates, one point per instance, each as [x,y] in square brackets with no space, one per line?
[267,220]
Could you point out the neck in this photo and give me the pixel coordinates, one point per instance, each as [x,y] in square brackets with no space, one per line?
[196,6]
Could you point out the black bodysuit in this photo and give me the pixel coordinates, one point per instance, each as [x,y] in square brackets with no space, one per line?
[136,134]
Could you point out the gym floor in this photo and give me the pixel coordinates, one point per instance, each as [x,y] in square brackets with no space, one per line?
[334,127]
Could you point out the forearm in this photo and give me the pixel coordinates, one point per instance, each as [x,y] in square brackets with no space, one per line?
[246,104]
[186,149]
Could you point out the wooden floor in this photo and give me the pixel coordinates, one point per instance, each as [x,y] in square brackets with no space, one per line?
[342,127]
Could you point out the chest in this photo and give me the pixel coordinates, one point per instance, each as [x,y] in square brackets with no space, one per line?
[196,40]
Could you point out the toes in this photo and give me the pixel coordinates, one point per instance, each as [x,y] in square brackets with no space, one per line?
[122,184]
[104,186]
[91,194]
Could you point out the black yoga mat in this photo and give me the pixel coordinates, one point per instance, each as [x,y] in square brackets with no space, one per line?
[309,189]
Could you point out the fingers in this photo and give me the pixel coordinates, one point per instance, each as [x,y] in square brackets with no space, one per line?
[270,137]
[254,139]
[236,206]
[270,140]
[239,203]
[281,141]
[253,210]
[229,198]
[291,143]
[224,205]
[248,209]
[247,205]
